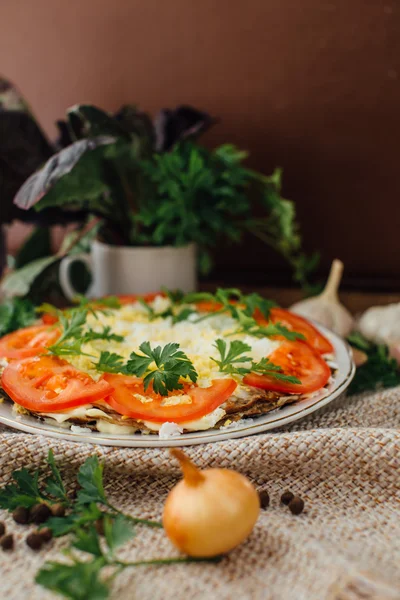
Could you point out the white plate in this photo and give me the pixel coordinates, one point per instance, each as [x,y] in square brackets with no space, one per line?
[277,418]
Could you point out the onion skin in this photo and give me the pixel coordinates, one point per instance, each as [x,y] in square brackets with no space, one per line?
[209,512]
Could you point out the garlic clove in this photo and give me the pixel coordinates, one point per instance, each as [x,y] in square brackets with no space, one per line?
[209,512]
[326,308]
[381,324]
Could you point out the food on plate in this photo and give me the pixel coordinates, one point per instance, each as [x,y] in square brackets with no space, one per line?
[326,307]
[163,363]
[211,511]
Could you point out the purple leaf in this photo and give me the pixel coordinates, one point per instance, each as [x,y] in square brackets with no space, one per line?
[173,126]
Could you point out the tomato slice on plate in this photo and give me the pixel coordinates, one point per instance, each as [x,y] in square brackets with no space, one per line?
[296,323]
[49,384]
[130,399]
[293,322]
[299,360]
[29,341]
[49,319]
[130,298]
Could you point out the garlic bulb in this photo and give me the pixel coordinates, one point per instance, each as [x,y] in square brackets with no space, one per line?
[211,511]
[381,324]
[326,308]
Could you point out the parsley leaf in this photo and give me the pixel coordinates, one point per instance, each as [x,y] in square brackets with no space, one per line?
[72,327]
[106,334]
[266,367]
[81,516]
[54,485]
[152,314]
[73,335]
[110,362]
[380,370]
[175,296]
[171,364]
[117,531]
[25,492]
[236,355]
[77,581]
[90,478]
[242,308]
[87,540]
[183,315]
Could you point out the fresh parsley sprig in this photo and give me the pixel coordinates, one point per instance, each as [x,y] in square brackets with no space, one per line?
[81,579]
[233,359]
[243,308]
[110,362]
[170,364]
[73,336]
[27,490]
[176,316]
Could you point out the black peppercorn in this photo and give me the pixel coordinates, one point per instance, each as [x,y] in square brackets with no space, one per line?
[46,534]
[287,497]
[7,542]
[21,515]
[296,505]
[58,510]
[264,498]
[35,541]
[40,513]
[2,528]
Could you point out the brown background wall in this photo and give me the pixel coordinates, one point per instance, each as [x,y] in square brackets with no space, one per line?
[311,85]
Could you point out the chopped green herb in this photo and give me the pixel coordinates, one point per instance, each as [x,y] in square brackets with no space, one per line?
[110,362]
[171,364]
[232,360]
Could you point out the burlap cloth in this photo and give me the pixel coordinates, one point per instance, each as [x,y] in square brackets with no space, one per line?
[344,462]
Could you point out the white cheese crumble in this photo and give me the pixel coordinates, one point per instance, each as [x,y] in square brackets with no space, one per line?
[206,422]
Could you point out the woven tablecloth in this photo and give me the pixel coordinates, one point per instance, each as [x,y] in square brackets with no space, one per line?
[343,462]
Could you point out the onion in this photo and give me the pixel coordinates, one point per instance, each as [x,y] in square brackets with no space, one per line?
[209,512]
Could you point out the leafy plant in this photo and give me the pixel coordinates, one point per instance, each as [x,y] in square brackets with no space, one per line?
[16,313]
[150,184]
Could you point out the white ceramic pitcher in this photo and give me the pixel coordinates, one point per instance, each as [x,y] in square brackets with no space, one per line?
[133,269]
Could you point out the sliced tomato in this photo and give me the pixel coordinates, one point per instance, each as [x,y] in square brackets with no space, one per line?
[296,323]
[49,384]
[293,322]
[299,360]
[128,395]
[49,319]
[130,298]
[29,341]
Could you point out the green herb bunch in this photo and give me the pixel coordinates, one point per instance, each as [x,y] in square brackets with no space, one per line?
[95,527]
[151,183]
[380,370]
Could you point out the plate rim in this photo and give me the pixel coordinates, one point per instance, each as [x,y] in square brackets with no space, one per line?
[192,438]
